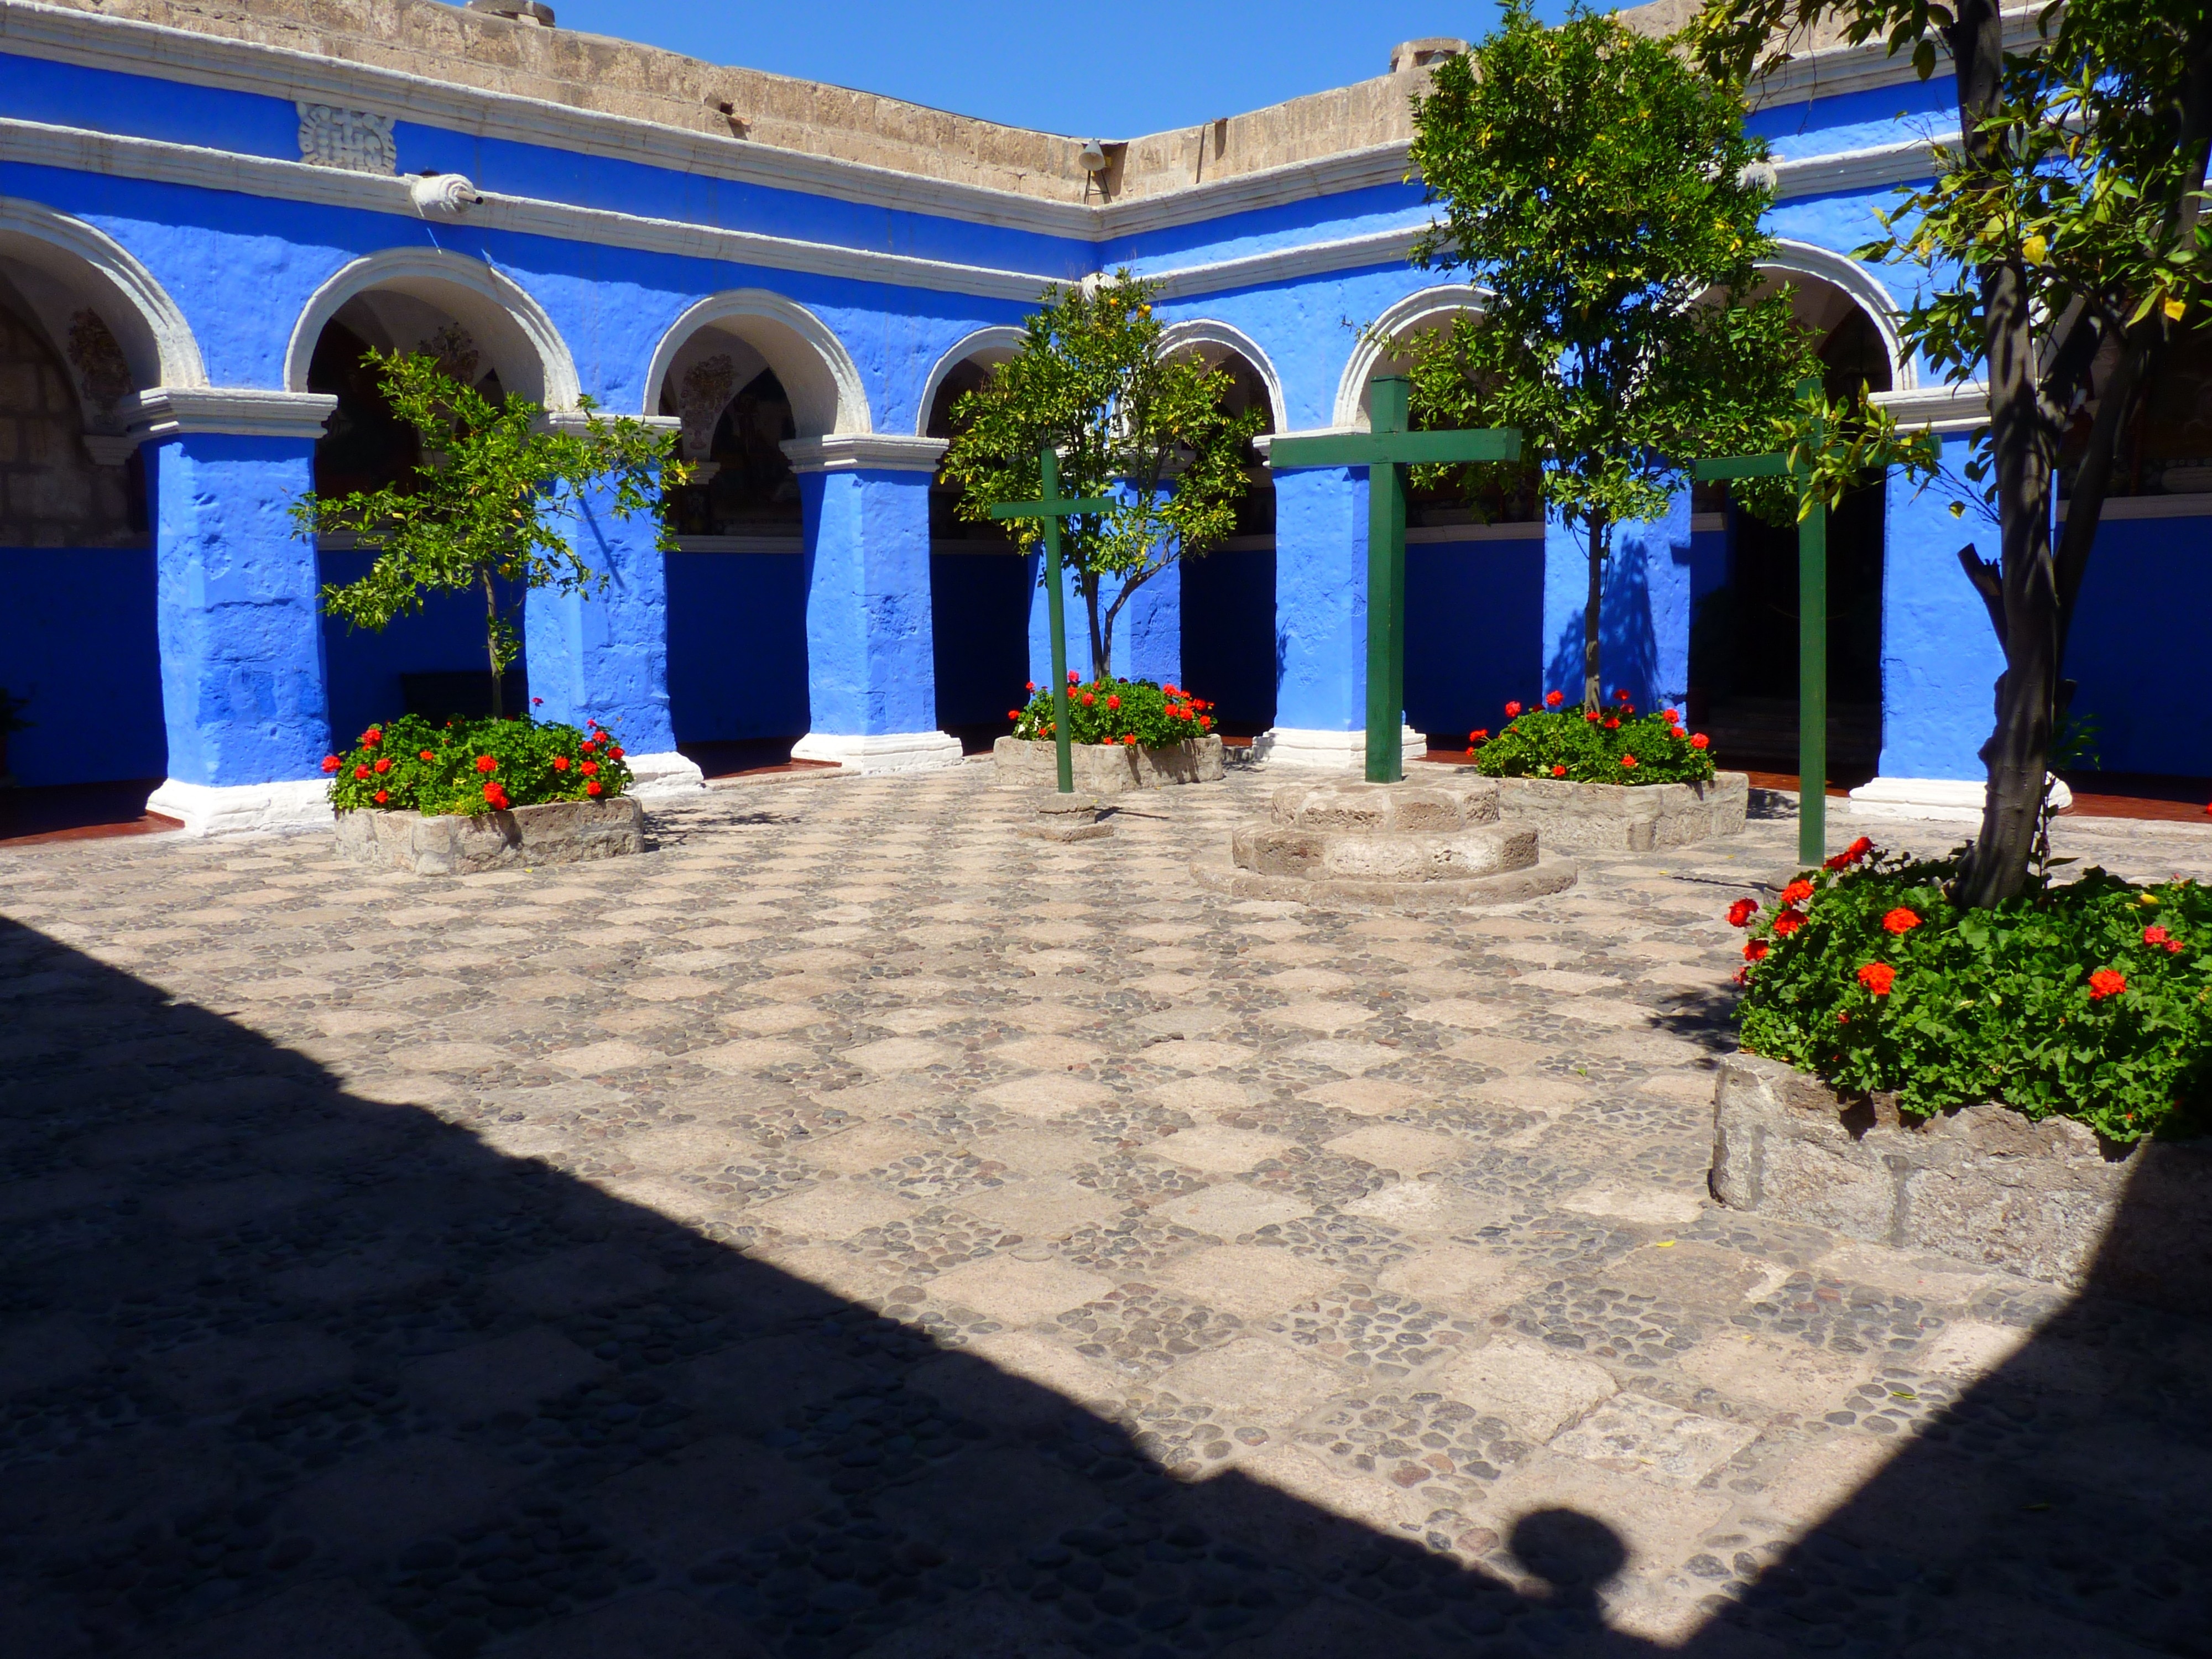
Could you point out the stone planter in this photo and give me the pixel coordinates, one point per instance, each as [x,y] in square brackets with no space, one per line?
[1108,769]
[2051,1200]
[1608,818]
[558,832]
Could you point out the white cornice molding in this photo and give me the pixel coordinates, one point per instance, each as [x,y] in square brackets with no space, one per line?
[1938,408]
[1833,70]
[168,410]
[1876,167]
[864,452]
[1284,264]
[578,421]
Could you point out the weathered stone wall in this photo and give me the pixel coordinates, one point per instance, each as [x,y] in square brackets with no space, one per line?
[2049,1200]
[51,494]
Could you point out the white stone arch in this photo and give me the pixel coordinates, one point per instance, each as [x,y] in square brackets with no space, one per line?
[1424,309]
[57,264]
[509,327]
[995,344]
[1205,331]
[1858,284]
[819,374]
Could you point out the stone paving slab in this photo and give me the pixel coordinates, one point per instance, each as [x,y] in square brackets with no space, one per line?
[852,1227]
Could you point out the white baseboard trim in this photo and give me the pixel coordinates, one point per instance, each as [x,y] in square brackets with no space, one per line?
[242,809]
[1945,801]
[1305,748]
[665,773]
[883,751]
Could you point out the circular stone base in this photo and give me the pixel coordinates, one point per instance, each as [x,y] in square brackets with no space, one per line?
[1546,876]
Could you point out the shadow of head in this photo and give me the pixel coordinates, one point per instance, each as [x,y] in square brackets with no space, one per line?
[1576,1555]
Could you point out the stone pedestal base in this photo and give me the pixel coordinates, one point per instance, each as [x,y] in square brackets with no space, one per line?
[1427,845]
[663,774]
[557,832]
[1067,817]
[245,808]
[1985,1185]
[1292,746]
[1945,801]
[887,752]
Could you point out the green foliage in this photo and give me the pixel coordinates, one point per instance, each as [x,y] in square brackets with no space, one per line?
[1992,1004]
[1832,446]
[1608,200]
[1589,746]
[486,506]
[1129,422]
[410,765]
[1108,710]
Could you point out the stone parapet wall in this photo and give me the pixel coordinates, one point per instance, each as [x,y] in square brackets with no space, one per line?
[451,844]
[1104,769]
[2048,1199]
[1606,818]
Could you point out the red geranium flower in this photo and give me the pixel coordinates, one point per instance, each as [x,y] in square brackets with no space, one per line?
[595,787]
[384,765]
[361,771]
[1592,715]
[1625,760]
[1013,713]
[1090,697]
[590,768]
[1129,740]
[1755,950]
[1073,679]
[1553,699]
[1741,912]
[1797,892]
[332,762]
[1700,741]
[1620,694]
[1204,722]
[1512,711]
[486,764]
[1877,977]
[2155,936]
[1672,716]
[496,797]
[560,763]
[1113,700]
[1787,923]
[1558,771]
[370,737]
[382,796]
[616,751]
[1481,734]
[1901,920]
[2105,983]
[1612,726]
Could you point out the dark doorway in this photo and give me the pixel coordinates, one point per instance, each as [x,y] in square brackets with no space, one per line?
[1229,594]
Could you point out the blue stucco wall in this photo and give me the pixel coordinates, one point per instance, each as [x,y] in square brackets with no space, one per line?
[1940,660]
[1147,638]
[737,645]
[1474,634]
[241,645]
[980,608]
[871,650]
[2135,671]
[77,638]
[601,653]
[1320,599]
[447,636]
[1644,616]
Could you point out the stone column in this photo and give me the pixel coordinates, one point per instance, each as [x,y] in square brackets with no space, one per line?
[243,697]
[871,651]
[1321,623]
[603,655]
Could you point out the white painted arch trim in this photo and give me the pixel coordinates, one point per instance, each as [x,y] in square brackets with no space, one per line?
[532,357]
[1204,331]
[999,337]
[1865,290]
[819,376]
[1426,308]
[165,351]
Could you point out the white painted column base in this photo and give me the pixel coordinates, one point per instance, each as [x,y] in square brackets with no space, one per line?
[666,773]
[242,809]
[1946,801]
[884,751]
[1331,751]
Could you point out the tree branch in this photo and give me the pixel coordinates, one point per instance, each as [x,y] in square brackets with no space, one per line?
[1987,576]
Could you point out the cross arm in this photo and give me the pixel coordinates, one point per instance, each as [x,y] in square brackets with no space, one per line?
[1742,466]
[1395,448]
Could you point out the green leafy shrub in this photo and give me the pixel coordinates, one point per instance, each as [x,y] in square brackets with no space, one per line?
[1135,713]
[2090,998]
[1585,746]
[475,766]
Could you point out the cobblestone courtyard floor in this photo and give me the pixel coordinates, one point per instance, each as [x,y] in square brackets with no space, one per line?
[852,1227]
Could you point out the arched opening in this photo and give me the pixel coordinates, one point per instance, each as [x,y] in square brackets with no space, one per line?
[742,383]
[1228,593]
[1744,626]
[432,663]
[80,657]
[980,581]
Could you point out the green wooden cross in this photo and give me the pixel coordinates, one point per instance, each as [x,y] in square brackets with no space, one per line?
[1051,507]
[1386,450]
[1812,640]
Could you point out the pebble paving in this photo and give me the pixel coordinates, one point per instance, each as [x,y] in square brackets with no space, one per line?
[852,1228]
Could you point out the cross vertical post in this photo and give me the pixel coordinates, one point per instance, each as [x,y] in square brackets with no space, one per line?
[1050,508]
[1386,449]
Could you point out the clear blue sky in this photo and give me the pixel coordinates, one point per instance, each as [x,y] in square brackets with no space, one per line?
[1109,71]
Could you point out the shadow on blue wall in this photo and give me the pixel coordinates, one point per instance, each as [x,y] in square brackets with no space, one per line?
[1628,641]
[1229,655]
[979,609]
[1475,631]
[77,638]
[737,645]
[362,669]
[2133,675]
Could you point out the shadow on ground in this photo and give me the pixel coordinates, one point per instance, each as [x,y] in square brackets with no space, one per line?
[291,1372]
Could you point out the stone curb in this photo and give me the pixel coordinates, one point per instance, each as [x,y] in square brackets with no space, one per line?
[452,844]
[1216,871]
[1102,768]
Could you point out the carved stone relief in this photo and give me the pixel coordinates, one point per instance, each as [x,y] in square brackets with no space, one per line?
[354,139]
[103,373]
[706,389]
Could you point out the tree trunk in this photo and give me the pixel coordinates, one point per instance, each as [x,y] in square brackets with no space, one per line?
[1600,536]
[491,644]
[1102,631]
[2023,444]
